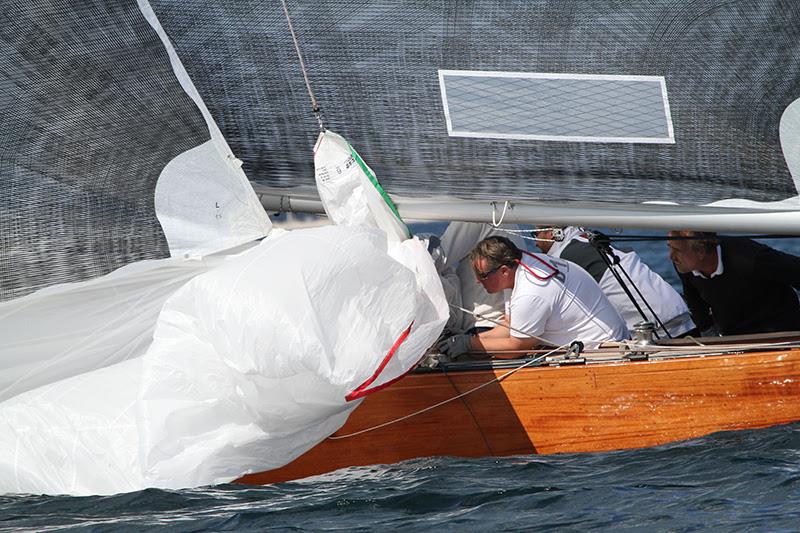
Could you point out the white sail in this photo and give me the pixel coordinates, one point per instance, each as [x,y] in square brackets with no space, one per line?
[195,355]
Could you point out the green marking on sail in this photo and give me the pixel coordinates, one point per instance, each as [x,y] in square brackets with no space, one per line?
[377,185]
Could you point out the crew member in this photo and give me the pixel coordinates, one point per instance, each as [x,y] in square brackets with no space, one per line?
[573,245]
[552,302]
[737,285]
[485,309]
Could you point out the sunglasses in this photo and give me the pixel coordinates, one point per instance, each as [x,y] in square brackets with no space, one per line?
[482,276]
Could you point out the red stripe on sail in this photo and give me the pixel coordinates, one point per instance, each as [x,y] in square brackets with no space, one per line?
[362,390]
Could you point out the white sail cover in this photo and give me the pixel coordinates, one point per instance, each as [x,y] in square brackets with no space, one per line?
[145,339]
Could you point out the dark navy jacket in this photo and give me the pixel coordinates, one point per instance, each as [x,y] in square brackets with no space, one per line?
[754,293]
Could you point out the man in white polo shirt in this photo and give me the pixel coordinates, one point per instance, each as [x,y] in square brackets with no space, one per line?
[552,302]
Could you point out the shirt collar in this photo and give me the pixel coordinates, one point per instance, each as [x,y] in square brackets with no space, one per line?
[718,271]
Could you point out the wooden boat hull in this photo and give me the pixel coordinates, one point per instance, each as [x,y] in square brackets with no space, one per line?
[558,409]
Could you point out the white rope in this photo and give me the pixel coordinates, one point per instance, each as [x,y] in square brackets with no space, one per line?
[496,223]
[459,396]
[522,233]
[535,230]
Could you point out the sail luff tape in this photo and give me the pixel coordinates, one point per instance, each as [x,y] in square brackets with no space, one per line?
[363,389]
[386,198]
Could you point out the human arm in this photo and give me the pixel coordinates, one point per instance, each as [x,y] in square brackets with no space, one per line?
[497,339]
[500,339]
[498,331]
[778,266]
[509,343]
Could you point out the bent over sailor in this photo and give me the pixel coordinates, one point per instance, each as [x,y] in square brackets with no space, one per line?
[552,302]
[664,304]
[736,286]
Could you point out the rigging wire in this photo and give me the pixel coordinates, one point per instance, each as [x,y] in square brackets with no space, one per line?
[315,108]
[602,245]
[644,238]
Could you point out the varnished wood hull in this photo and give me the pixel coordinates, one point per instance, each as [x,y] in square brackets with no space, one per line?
[547,410]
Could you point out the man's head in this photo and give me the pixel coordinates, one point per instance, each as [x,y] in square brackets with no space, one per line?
[698,253]
[494,261]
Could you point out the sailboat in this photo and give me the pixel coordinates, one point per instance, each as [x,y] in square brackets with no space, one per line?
[130,358]
[541,115]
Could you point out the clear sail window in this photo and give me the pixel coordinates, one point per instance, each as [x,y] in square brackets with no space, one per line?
[556,107]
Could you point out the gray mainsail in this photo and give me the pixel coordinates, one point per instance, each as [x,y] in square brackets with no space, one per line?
[93,112]
[729,70]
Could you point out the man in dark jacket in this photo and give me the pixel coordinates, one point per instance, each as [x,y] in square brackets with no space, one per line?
[737,285]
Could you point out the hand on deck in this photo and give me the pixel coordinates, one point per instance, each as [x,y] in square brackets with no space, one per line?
[455,345]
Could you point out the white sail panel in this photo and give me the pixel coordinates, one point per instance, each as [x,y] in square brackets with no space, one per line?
[72,328]
[202,205]
[556,106]
[203,199]
[350,191]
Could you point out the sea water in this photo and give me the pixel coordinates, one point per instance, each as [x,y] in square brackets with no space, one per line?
[734,481]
